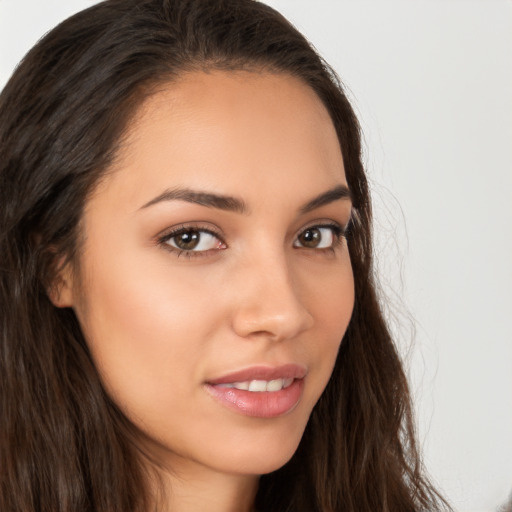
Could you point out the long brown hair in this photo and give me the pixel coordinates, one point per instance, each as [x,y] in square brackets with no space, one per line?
[64,445]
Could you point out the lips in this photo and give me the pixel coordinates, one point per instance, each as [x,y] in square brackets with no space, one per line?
[287,371]
[264,392]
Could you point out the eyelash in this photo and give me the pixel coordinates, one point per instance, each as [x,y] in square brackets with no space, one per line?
[339,233]
[186,228]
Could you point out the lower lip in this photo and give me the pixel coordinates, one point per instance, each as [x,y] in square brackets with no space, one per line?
[263,404]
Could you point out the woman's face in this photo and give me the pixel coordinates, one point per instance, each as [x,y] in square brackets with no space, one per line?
[215,282]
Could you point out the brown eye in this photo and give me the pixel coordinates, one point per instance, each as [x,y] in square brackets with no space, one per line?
[187,241]
[310,238]
[317,237]
[194,240]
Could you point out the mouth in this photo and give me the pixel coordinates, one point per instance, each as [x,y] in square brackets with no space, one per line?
[260,386]
[263,392]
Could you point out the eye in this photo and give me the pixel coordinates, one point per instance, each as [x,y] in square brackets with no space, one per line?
[192,240]
[319,237]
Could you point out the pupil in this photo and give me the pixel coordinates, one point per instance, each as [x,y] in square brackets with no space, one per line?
[188,240]
[311,237]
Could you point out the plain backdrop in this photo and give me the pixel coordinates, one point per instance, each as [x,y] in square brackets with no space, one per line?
[431,82]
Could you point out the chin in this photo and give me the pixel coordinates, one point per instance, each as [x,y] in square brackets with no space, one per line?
[264,454]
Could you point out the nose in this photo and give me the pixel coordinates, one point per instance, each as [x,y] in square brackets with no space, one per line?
[268,303]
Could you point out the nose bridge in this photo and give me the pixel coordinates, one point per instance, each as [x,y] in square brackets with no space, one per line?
[270,303]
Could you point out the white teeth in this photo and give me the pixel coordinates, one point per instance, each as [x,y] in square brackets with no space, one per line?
[259,386]
[287,382]
[275,385]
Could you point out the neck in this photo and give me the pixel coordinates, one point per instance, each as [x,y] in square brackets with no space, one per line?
[202,489]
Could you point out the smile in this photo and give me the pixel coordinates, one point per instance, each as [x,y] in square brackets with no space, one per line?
[261,392]
[259,386]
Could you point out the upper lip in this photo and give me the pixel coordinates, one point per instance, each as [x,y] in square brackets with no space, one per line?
[286,371]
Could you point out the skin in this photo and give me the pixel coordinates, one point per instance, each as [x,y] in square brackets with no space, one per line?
[160,323]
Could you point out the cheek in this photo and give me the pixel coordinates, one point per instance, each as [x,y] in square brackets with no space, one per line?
[145,328]
[330,296]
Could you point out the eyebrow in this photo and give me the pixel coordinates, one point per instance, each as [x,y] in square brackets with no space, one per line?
[221,202]
[233,204]
[332,195]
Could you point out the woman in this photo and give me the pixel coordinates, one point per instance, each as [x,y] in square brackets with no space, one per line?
[189,320]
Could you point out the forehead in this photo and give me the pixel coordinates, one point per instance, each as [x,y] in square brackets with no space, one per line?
[211,95]
[223,130]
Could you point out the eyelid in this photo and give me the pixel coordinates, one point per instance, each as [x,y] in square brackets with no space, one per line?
[339,233]
[326,223]
[188,226]
[173,231]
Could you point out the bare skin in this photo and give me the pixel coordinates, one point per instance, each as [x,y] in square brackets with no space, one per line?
[173,294]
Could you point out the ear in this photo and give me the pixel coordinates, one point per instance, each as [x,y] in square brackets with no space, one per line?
[60,290]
